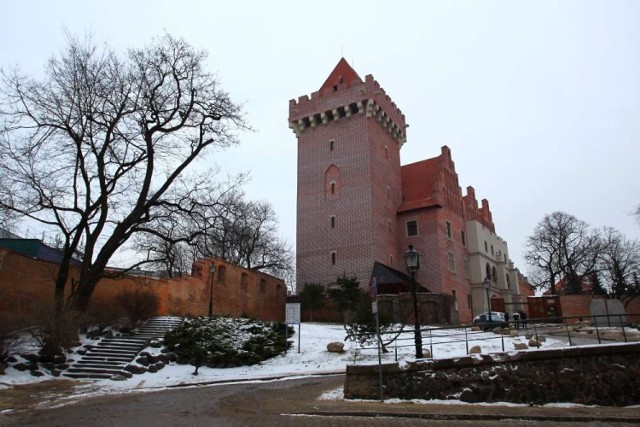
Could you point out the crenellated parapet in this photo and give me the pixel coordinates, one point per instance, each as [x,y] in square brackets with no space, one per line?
[344,101]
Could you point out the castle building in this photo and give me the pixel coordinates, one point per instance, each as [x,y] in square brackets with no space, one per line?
[357,206]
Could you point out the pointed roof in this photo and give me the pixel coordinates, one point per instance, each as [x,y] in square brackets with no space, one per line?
[341,76]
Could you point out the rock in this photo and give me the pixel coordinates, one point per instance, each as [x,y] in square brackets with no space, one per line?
[135,369]
[528,335]
[153,369]
[55,372]
[533,343]
[162,358]
[520,346]
[476,329]
[2,368]
[143,360]
[159,365]
[171,357]
[335,347]
[20,367]
[11,359]
[468,396]
[542,338]
[36,373]
[426,353]
[62,366]
[513,333]
[118,377]
[475,349]
[48,366]
[31,357]
[59,358]
[164,350]
[155,344]
[125,374]
[81,351]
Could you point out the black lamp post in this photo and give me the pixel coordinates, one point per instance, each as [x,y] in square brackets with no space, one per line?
[412,259]
[212,272]
[486,284]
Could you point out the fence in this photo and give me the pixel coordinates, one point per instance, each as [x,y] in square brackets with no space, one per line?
[588,329]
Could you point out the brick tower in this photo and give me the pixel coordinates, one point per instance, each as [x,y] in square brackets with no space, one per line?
[349,182]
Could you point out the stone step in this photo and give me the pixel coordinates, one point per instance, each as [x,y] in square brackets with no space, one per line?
[93,370]
[107,358]
[87,365]
[88,376]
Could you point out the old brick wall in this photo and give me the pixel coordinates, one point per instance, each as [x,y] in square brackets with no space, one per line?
[603,375]
[26,286]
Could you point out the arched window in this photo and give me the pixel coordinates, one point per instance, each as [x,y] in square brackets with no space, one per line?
[332,183]
[494,274]
[488,272]
[508,281]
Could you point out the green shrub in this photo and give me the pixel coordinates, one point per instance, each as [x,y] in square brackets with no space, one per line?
[225,342]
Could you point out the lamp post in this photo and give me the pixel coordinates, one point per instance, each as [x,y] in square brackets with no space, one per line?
[412,259]
[486,285]
[212,272]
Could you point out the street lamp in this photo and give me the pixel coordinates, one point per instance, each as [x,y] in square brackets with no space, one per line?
[412,259]
[212,272]
[486,285]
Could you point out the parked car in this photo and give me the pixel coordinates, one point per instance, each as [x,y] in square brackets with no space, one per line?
[497,319]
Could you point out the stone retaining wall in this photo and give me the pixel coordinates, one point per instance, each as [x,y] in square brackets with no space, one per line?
[602,375]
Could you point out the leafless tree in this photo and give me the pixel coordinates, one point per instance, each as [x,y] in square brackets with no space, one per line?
[94,149]
[620,265]
[220,223]
[562,246]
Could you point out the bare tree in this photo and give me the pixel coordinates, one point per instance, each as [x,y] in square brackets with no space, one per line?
[95,148]
[620,264]
[562,246]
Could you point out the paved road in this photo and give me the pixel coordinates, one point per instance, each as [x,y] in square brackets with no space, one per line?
[279,403]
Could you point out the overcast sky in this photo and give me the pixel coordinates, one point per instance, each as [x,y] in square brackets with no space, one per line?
[539,101]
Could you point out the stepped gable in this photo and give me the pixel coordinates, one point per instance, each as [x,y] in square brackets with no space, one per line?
[419,181]
[343,95]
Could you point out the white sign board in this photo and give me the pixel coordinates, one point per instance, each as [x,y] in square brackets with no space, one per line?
[292,315]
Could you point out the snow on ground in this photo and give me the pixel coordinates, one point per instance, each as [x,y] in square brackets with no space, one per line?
[310,358]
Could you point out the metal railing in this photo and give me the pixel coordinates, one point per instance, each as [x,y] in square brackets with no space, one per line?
[592,328]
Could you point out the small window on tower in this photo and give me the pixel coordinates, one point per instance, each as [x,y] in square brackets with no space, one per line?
[333,258]
[333,188]
[332,145]
[449,231]
[412,228]
[333,221]
[463,237]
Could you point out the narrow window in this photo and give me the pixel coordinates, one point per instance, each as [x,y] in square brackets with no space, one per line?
[486,248]
[452,261]
[332,145]
[412,228]
[333,190]
[386,152]
[244,281]
[487,271]
[221,274]
[463,237]
[508,282]
[449,232]
[455,299]
[491,249]
[333,258]
[465,266]
[333,221]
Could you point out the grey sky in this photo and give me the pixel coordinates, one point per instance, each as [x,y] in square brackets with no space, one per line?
[539,101]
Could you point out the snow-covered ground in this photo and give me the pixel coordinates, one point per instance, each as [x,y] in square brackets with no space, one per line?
[311,357]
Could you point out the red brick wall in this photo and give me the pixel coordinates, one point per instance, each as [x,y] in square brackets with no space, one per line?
[368,188]
[26,285]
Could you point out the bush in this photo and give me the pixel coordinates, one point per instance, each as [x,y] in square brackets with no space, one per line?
[223,341]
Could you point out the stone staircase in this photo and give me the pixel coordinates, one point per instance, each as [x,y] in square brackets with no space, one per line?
[111,355]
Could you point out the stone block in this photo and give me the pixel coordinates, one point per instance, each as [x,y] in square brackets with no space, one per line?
[476,349]
[335,347]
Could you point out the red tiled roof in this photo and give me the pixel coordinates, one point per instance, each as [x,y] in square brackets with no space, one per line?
[418,180]
[342,73]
